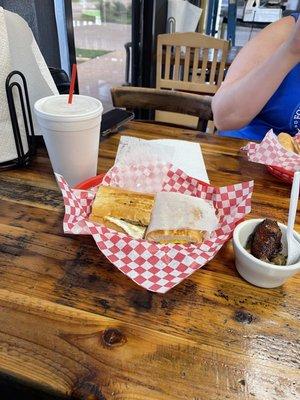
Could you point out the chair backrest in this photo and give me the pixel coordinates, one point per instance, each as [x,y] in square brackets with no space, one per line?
[164,100]
[190,62]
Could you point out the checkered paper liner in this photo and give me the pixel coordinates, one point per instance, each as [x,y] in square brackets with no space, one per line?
[157,267]
[270,152]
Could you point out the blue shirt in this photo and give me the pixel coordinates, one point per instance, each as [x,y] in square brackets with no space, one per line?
[281,113]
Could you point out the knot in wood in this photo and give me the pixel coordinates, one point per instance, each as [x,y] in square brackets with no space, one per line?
[113,337]
[243,317]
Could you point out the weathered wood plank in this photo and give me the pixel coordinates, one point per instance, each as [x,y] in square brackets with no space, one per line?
[74,273]
[90,356]
[30,194]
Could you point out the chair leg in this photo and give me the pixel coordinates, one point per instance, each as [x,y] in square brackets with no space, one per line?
[202,125]
[211,129]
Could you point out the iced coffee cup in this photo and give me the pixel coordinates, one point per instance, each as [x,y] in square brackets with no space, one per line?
[71,133]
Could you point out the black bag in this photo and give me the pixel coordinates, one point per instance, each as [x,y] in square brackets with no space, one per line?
[61,80]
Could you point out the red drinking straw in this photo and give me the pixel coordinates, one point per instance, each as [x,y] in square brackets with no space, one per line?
[72,84]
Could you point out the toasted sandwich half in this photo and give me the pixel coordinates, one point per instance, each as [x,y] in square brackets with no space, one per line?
[182,219]
[122,210]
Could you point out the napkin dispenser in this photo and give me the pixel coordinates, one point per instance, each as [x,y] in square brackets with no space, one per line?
[20,58]
[24,140]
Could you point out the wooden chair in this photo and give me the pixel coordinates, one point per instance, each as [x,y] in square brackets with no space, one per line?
[164,100]
[190,62]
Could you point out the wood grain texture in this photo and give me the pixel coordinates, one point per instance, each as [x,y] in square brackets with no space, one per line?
[165,100]
[72,325]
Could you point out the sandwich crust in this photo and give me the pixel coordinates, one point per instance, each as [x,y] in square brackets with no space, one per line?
[176,236]
[132,207]
[297,147]
[286,141]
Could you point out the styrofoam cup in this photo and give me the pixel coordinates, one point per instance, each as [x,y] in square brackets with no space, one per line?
[71,133]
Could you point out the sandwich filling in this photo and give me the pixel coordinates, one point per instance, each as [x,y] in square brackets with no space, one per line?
[136,231]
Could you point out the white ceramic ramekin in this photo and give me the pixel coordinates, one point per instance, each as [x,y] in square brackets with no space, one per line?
[257,272]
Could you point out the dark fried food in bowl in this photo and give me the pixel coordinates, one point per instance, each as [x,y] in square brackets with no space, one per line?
[265,242]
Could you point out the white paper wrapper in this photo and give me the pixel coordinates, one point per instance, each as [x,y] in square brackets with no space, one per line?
[187,156]
[135,151]
[191,213]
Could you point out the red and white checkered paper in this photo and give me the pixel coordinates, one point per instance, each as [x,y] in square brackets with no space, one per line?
[270,152]
[156,267]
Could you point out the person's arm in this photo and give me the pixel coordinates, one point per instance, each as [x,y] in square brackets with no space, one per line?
[256,73]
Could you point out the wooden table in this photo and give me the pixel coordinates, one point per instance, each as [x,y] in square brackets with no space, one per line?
[72,325]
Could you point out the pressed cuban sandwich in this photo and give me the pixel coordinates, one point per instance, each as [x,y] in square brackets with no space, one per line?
[166,218]
[123,210]
[182,219]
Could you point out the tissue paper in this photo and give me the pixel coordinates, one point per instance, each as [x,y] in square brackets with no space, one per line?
[185,155]
[19,51]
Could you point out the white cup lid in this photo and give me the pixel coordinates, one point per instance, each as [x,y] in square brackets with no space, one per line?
[57,108]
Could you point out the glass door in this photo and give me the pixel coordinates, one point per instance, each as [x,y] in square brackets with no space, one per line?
[102,34]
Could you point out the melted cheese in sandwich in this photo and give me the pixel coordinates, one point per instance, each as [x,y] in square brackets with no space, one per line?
[137,232]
